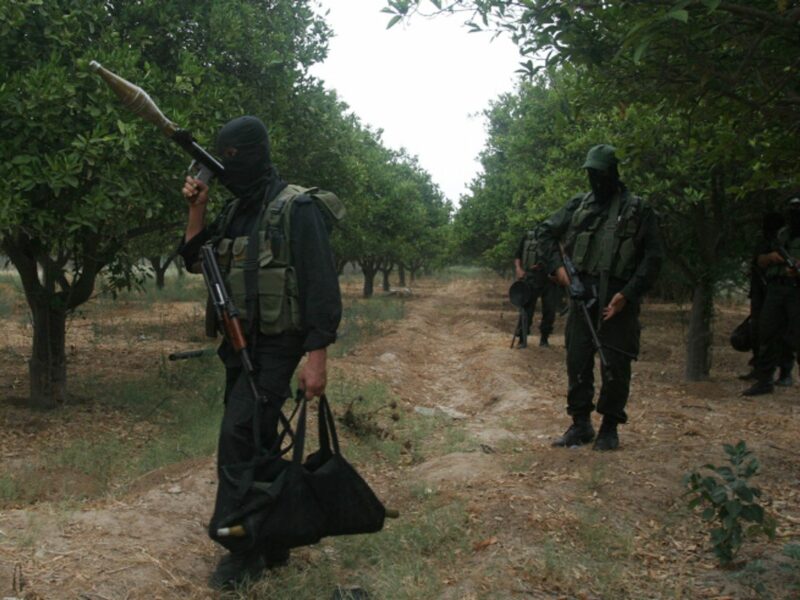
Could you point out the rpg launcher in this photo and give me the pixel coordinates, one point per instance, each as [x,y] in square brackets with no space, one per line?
[141,104]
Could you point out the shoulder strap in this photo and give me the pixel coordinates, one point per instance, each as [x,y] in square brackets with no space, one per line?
[223,220]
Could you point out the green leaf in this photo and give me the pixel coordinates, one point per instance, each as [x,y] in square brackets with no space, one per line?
[734,508]
[641,49]
[393,21]
[681,15]
[712,5]
[753,513]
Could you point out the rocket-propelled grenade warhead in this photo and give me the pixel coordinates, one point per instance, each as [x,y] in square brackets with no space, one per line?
[141,104]
[135,99]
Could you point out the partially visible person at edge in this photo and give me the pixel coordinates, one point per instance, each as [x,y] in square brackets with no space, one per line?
[779,319]
[771,223]
[530,267]
[279,337]
[613,238]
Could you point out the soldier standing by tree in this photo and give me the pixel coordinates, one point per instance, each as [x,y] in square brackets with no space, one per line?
[530,266]
[613,239]
[779,319]
[296,311]
[771,223]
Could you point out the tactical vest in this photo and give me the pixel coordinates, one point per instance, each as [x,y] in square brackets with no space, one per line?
[591,243]
[791,245]
[263,282]
[531,255]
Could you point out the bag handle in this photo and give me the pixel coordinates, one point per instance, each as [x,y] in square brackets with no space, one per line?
[300,429]
[327,427]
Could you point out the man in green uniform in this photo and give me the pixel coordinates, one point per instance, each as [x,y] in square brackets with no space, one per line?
[530,267]
[771,224]
[613,239]
[272,243]
[779,319]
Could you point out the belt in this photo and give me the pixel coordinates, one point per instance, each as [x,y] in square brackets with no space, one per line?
[783,280]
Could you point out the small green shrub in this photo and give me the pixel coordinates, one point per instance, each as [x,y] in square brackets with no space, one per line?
[729,500]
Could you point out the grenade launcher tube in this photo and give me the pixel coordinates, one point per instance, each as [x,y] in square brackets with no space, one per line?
[142,105]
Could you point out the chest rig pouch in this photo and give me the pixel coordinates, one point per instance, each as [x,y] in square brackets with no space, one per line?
[605,239]
[258,267]
[530,251]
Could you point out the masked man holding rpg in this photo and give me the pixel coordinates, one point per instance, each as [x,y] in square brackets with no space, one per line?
[613,239]
[272,245]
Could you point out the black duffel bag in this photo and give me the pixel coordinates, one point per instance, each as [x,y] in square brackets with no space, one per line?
[742,336]
[290,502]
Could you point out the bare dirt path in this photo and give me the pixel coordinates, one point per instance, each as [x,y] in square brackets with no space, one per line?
[543,522]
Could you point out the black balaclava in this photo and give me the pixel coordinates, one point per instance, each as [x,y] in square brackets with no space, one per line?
[604,183]
[771,224]
[249,173]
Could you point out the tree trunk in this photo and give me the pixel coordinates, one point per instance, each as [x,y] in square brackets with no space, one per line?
[401,275]
[413,275]
[369,281]
[698,344]
[48,364]
[386,284]
[160,269]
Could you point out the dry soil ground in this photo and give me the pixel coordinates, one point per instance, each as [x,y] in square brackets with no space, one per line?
[542,522]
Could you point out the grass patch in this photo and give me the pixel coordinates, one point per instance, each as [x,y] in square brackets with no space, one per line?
[391,433]
[365,318]
[179,408]
[601,553]
[186,288]
[403,562]
[456,272]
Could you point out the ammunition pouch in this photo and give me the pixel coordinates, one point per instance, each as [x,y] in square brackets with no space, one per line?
[262,283]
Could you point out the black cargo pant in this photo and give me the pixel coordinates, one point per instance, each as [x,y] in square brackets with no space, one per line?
[621,332]
[543,288]
[778,327]
[787,353]
[275,360]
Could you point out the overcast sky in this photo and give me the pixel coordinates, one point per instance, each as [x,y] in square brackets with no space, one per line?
[425,84]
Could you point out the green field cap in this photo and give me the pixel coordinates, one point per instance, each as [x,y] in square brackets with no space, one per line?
[601,157]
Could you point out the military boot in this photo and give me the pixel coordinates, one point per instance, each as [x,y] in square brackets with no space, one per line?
[607,438]
[579,433]
[759,388]
[235,569]
[784,378]
[543,343]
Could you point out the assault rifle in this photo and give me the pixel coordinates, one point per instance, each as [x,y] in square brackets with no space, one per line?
[141,104]
[227,313]
[584,299]
[520,294]
[790,261]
